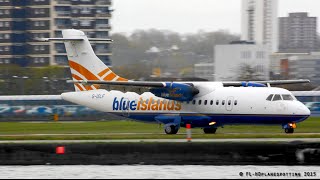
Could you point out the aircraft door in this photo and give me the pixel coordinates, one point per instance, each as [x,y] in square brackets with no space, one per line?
[229,103]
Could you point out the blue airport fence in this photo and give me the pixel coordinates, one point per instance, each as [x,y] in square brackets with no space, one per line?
[31,110]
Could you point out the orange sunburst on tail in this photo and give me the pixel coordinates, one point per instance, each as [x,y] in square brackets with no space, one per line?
[106,75]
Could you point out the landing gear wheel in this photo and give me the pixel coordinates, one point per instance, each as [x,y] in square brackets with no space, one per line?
[289,130]
[209,130]
[171,129]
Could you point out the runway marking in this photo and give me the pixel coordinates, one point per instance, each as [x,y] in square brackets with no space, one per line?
[73,134]
[255,140]
[119,133]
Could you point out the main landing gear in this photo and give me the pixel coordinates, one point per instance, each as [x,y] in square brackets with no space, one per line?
[171,129]
[289,128]
[210,130]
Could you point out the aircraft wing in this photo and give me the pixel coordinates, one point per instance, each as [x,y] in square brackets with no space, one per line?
[169,90]
[175,90]
[123,83]
[166,84]
[264,83]
[305,93]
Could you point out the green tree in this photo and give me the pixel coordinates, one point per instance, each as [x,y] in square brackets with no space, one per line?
[248,73]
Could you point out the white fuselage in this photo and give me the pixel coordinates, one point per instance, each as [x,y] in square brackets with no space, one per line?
[225,105]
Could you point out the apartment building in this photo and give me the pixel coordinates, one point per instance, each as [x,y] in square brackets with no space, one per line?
[21,22]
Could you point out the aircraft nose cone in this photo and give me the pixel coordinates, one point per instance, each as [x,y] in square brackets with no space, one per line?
[307,111]
[303,110]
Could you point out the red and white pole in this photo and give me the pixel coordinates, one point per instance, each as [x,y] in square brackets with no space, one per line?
[188,126]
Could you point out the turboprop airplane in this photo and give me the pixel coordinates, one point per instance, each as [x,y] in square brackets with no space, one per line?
[206,105]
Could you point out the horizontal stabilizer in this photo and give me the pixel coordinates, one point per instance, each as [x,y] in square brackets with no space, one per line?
[100,39]
[59,39]
[72,39]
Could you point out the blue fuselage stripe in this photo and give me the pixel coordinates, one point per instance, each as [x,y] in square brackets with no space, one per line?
[203,120]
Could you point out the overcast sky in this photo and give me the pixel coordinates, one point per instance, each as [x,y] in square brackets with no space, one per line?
[190,16]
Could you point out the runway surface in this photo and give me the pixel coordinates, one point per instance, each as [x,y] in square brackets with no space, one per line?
[258,140]
[98,134]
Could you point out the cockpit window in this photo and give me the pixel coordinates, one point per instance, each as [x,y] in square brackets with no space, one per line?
[287,97]
[277,97]
[269,97]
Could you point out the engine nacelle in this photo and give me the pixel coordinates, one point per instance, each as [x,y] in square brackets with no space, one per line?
[176,91]
[252,84]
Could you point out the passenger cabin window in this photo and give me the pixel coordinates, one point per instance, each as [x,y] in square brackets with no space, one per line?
[223,101]
[269,97]
[211,102]
[205,102]
[277,97]
[194,102]
[217,102]
[229,102]
[287,97]
[235,102]
[199,102]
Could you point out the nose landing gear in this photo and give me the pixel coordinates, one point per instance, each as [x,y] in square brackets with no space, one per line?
[289,128]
